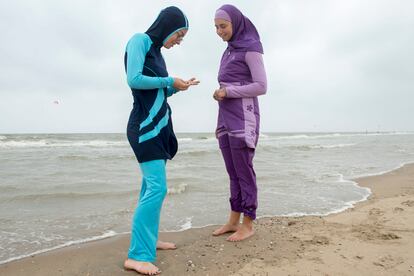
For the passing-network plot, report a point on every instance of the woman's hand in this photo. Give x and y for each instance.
(180, 84)
(220, 94)
(193, 81)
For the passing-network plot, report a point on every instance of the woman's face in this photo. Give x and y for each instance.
(224, 29)
(175, 39)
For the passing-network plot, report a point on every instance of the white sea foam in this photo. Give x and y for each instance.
(305, 146)
(23, 144)
(198, 151)
(333, 135)
(184, 139)
(97, 143)
(105, 235)
(43, 143)
(349, 204)
(179, 189)
(385, 171)
(346, 205)
(187, 224)
(332, 146)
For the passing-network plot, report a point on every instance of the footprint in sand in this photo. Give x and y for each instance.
(319, 240)
(409, 203)
(368, 233)
(389, 236)
(388, 261)
(398, 210)
(376, 212)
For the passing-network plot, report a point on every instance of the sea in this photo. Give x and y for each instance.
(58, 190)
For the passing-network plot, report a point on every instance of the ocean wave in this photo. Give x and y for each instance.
(206, 138)
(304, 147)
(37, 142)
(8, 188)
(188, 223)
(22, 144)
(75, 157)
(64, 196)
(197, 152)
(44, 143)
(105, 235)
(201, 139)
(346, 205)
(298, 136)
(97, 143)
(334, 177)
(185, 139)
(332, 146)
(385, 171)
(179, 189)
(330, 135)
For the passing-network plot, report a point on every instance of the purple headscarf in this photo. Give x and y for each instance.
(245, 37)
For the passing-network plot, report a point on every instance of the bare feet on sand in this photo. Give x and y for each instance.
(226, 228)
(242, 233)
(166, 245)
(145, 268)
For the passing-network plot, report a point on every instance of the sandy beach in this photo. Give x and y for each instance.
(376, 237)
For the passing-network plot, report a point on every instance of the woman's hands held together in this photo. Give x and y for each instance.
(220, 94)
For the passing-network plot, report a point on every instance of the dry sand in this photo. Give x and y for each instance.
(374, 238)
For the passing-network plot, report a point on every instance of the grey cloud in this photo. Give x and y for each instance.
(331, 65)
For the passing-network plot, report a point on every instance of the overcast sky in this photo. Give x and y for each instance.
(331, 65)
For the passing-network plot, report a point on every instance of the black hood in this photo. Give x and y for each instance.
(169, 21)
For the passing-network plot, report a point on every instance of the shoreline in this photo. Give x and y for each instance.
(290, 250)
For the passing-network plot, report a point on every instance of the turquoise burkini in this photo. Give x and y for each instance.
(150, 131)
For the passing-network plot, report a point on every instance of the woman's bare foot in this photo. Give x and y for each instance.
(245, 230)
(166, 245)
(145, 268)
(226, 228)
(242, 233)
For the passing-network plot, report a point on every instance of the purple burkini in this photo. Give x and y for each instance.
(243, 75)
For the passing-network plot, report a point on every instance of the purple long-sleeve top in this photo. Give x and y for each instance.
(244, 77)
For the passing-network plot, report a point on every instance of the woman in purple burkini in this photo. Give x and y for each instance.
(242, 78)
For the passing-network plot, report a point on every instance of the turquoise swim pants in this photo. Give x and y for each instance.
(144, 234)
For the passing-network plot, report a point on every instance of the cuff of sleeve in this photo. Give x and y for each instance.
(172, 90)
(170, 81)
(229, 91)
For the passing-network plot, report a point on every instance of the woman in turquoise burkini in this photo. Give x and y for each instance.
(150, 131)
